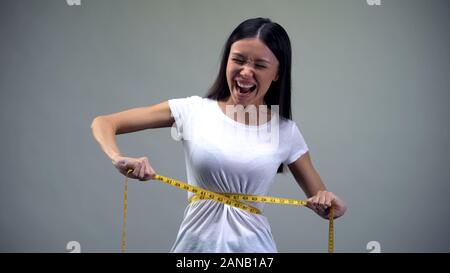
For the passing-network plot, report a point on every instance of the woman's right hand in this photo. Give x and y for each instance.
(141, 167)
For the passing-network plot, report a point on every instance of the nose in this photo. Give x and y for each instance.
(247, 71)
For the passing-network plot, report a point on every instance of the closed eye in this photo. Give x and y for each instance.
(238, 61)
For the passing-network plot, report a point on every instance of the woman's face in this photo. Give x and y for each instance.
(251, 67)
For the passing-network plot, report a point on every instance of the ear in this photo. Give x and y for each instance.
(276, 77)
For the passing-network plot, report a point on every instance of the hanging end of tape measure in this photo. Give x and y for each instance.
(331, 230)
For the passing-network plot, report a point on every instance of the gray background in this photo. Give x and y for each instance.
(370, 94)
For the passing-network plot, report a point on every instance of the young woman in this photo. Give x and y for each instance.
(236, 139)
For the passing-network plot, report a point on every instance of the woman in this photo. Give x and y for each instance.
(236, 139)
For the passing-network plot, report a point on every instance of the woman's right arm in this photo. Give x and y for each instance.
(106, 127)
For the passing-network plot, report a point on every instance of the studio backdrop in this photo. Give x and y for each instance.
(370, 95)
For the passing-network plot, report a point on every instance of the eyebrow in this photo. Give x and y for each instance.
(243, 56)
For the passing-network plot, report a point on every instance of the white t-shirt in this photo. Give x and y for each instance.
(223, 155)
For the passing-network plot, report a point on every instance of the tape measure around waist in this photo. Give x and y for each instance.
(231, 199)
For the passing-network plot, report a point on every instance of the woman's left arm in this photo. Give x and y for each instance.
(319, 199)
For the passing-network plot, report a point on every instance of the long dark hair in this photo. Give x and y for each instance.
(277, 40)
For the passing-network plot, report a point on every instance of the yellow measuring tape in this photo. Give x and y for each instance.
(230, 199)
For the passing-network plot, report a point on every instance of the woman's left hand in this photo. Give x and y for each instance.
(323, 200)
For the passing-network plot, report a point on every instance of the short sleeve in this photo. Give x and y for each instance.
(182, 110)
(298, 145)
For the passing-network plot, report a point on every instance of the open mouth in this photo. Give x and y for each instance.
(244, 88)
